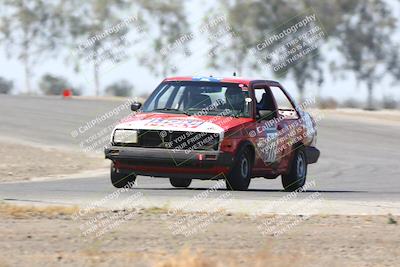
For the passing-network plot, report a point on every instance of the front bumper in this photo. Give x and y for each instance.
(312, 154)
(160, 157)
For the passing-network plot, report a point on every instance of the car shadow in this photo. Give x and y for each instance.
(249, 190)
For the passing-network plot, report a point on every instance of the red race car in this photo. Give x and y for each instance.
(215, 128)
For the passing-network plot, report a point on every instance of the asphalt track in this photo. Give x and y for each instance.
(359, 162)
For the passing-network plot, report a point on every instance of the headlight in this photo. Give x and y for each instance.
(125, 136)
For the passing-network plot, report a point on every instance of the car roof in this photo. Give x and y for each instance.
(232, 79)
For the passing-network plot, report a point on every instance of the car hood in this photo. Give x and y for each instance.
(181, 122)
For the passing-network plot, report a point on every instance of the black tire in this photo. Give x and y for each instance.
(239, 177)
(179, 182)
(296, 178)
(120, 178)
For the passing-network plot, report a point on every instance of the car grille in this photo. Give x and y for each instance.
(178, 140)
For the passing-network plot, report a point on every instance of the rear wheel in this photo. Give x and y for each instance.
(179, 182)
(240, 174)
(296, 178)
(120, 178)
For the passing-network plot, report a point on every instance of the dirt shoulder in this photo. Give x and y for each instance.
(378, 117)
(24, 162)
(51, 237)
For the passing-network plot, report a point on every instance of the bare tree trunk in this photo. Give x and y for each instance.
(165, 66)
(318, 96)
(320, 82)
(370, 105)
(27, 74)
(96, 66)
(301, 94)
(238, 69)
(25, 59)
(96, 79)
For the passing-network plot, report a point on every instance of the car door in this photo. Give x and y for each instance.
(289, 126)
(266, 131)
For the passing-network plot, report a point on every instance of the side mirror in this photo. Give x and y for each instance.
(136, 106)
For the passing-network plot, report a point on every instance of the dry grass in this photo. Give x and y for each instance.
(186, 259)
(155, 210)
(190, 258)
(30, 163)
(391, 219)
(23, 212)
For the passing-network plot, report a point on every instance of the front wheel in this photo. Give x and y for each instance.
(296, 178)
(121, 179)
(239, 177)
(180, 183)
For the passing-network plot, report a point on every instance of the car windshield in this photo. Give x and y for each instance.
(199, 98)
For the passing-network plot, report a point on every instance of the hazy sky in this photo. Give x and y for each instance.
(144, 81)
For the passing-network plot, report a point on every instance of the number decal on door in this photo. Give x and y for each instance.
(268, 145)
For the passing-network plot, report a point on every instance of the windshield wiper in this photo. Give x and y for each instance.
(234, 115)
(173, 109)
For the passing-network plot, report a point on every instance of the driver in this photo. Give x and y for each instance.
(235, 99)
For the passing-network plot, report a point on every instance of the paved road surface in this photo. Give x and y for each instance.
(360, 160)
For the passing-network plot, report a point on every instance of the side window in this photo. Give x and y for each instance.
(285, 107)
(178, 98)
(265, 105)
(152, 105)
(259, 93)
(163, 97)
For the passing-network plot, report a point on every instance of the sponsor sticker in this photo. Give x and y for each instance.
(175, 123)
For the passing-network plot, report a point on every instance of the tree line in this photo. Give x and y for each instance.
(360, 37)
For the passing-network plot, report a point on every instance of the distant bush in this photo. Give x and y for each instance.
(6, 86)
(144, 96)
(53, 85)
(121, 88)
(389, 103)
(351, 103)
(327, 103)
(76, 91)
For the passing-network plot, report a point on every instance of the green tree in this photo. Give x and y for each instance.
(28, 28)
(6, 86)
(394, 64)
(99, 33)
(253, 21)
(367, 44)
(121, 88)
(360, 31)
(53, 85)
(167, 20)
